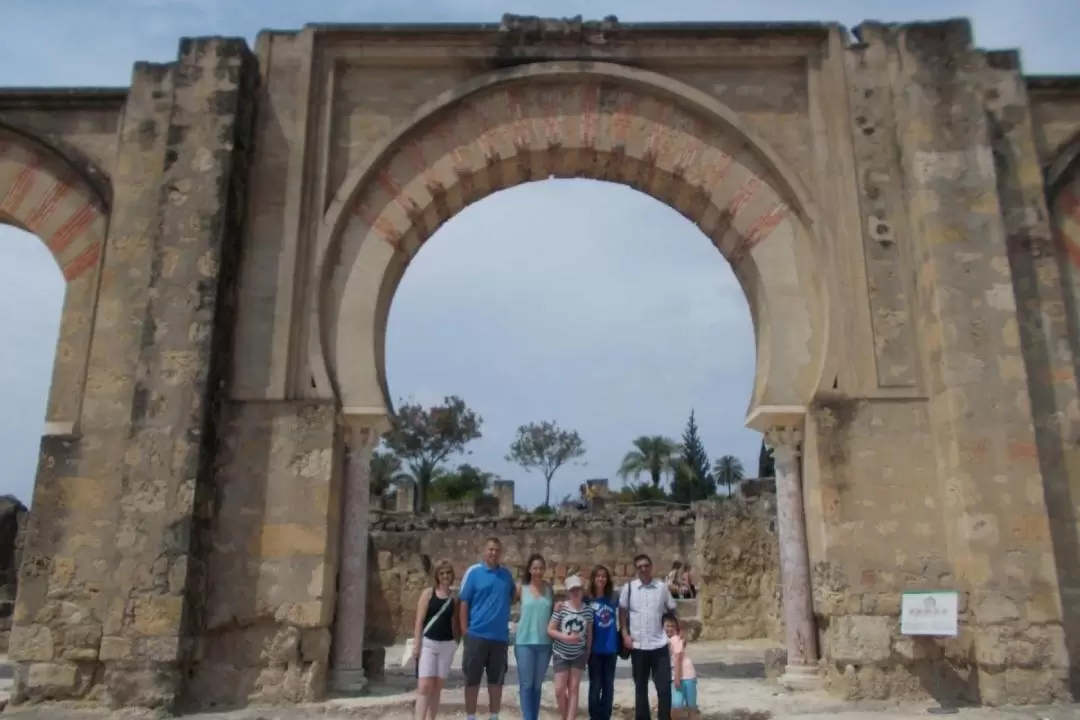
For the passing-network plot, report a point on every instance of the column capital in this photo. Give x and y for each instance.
(785, 442)
(364, 428)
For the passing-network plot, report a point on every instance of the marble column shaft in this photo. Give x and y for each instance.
(347, 674)
(801, 638)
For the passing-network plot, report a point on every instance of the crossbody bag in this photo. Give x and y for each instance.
(410, 644)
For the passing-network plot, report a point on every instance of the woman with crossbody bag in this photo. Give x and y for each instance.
(435, 639)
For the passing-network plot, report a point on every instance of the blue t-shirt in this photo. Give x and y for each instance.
(605, 631)
(489, 593)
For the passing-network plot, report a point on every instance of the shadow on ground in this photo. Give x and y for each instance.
(402, 680)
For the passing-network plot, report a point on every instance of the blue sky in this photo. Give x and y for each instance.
(581, 302)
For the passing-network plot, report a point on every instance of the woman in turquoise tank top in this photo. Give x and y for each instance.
(532, 646)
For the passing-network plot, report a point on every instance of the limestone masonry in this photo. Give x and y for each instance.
(901, 208)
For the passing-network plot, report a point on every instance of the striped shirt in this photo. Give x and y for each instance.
(570, 620)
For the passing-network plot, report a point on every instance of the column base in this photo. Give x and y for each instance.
(348, 681)
(801, 678)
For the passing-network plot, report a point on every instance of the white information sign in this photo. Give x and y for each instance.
(929, 613)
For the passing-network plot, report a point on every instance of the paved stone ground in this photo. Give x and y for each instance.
(731, 687)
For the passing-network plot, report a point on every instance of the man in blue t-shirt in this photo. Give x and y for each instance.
(487, 591)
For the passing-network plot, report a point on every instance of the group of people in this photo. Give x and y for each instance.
(587, 632)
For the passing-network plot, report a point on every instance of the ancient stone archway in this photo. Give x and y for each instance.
(44, 193)
(203, 530)
(597, 121)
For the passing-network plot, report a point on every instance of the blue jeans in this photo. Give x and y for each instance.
(532, 665)
(686, 696)
(601, 685)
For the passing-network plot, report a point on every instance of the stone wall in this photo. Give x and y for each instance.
(269, 600)
(737, 569)
(112, 582)
(731, 544)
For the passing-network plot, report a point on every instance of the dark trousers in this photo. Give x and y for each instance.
(657, 665)
(601, 685)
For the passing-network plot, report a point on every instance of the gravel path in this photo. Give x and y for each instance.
(731, 687)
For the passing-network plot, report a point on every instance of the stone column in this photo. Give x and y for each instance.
(347, 673)
(504, 491)
(405, 497)
(801, 672)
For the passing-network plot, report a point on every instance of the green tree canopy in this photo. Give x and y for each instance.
(468, 482)
(728, 471)
(693, 480)
(766, 464)
(653, 454)
(545, 447)
(386, 471)
(425, 437)
(641, 492)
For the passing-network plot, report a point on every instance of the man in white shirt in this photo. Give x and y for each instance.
(642, 605)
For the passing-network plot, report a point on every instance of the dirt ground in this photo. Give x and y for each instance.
(731, 686)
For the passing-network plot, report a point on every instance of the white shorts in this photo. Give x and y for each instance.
(435, 658)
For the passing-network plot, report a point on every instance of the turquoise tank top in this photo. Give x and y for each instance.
(535, 616)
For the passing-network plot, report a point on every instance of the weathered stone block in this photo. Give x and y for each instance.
(283, 648)
(157, 616)
(31, 643)
(315, 645)
(859, 639)
(142, 685)
(115, 648)
(52, 679)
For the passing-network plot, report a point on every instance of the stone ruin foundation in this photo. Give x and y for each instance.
(900, 207)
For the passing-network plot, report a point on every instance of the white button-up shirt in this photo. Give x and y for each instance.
(646, 605)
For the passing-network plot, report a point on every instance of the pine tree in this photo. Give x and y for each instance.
(693, 480)
(766, 466)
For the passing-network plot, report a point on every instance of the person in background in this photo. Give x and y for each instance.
(687, 589)
(683, 677)
(571, 628)
(487, 591)
(605, 644)
(435, 638)
(643, 603)
(532, 647)
(673, 577)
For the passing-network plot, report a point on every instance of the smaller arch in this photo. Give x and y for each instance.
(95, 180)
(45, 193)
(563, 119)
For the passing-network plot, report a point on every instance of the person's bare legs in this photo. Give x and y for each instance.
(494, 698)
(472, 695)
(573, 694)
(434, 699)
(423, 697)
(562, 697)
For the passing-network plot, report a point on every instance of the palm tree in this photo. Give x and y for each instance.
(728, 471)
(385, 472)
(653, 454)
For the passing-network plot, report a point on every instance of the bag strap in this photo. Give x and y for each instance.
(439, 614)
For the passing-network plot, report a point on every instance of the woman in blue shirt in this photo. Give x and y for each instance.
(605, 644)
(532, 645)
